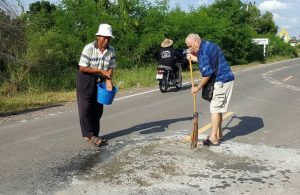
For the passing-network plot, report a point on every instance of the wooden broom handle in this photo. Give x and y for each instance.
(192, 79)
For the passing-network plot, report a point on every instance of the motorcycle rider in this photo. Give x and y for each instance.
(168, 56)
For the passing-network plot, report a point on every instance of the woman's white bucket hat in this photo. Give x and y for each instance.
(105, 30)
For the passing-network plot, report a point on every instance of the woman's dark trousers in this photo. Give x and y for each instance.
(90, 111)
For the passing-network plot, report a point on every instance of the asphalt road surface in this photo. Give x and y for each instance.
(42, 152)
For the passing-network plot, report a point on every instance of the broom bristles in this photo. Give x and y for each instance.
(194, 136)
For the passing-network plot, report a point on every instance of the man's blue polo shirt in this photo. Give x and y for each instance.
(208, 56)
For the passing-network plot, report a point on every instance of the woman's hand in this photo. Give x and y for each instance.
(106, 74)
(109, 85)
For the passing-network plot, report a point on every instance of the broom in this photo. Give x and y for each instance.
(194, 137)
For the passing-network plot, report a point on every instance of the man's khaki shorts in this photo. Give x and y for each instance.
(221, 97)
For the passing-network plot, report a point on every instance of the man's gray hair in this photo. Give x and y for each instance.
(193, 37)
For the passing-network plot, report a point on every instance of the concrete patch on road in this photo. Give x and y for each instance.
(164, 165)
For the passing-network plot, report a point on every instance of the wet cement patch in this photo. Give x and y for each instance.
(164, 165)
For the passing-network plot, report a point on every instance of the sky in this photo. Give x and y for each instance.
(285, 12)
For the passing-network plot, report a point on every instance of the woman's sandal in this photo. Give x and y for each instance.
(207, 142)
(220, 140)
(96, 141)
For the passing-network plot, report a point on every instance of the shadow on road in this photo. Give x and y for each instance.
(147, 128)
(174, 89)
(6, 114)
(246, 126)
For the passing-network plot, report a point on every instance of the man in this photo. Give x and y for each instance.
(210, 56)
(168, 55)
(96, 65)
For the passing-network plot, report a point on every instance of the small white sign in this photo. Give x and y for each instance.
(261, 41)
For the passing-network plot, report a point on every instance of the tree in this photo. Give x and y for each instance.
(12, 47)
(266, 25)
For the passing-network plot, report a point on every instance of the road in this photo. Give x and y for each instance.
(147, 152)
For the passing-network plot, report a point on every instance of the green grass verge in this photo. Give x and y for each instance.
(23, 101)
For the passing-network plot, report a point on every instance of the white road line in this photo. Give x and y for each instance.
(145, 92)
(287, 78)
(268, 77)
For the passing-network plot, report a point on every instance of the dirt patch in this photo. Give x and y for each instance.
(165, 165)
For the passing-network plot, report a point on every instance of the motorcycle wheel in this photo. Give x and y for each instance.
(179, 83)
(163, 86)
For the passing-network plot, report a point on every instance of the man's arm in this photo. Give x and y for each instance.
(203, 81)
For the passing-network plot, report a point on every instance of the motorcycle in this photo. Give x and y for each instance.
(168, 78)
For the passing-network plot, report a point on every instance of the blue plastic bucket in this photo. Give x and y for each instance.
(105, 96)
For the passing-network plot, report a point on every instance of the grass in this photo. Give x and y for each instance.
(23, 101)
(136, 77)
(125, 79)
